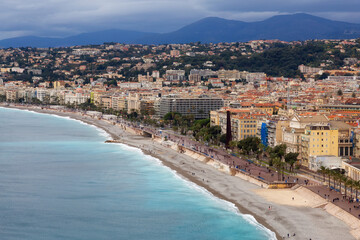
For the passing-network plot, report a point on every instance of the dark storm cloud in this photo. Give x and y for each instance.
(285, 5)
(67, 17)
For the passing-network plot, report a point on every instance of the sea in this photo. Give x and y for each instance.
(59, 180)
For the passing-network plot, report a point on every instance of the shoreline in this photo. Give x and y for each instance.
(279, 218)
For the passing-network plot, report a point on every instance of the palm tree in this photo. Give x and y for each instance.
(260, 150)
(346, 183)
(278, 165)
(233, 144)
(356, 187)
(322, 170)
(340, 178)
(328, 172)
(351, 184)
(333, 174)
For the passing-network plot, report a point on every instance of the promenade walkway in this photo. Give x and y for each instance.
(346, 203)
(244, 165)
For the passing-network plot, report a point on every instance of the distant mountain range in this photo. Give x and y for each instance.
(283, 27)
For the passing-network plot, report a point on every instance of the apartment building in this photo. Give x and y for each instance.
(41, 94)
(95, 96)
(352, 170)
(11, 95)
(199, 107)
(243, 123)
(243, 127)
(75, 98)
(274, 131)
(318, 140)
(346, 138)
(340, 108)
(119, 103)
(175, 53)
(106, 101)
(231, 75)
(255, 76)
(258, 107)
(292, 134)
(175, 75)
(308, 70)
(140, 101)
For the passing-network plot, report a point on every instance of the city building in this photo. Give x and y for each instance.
(199, 107)
(318, 140)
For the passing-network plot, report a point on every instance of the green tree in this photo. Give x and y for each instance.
(357, 187)
(233, 144)
(261, 149)
(198, 125)
(291, 159)
(339, 92)
(278, 164)
(170, 116)
(334, 176)
(277, 151)
(249, 145)
(339, 178)
(351, 185)
(328, 173)
(346, 184)
(223, 138)
(322, 76)
(322, 170)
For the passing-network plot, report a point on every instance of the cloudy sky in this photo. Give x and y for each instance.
(69, 17)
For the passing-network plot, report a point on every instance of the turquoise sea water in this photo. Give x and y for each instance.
(59, 180)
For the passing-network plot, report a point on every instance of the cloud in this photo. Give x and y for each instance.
(283, 5)
(68, 17)
(351, 16)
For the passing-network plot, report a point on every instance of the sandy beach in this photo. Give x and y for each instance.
(284, 212)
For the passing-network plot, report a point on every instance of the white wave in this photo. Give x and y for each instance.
(129, 148)
(17, 109)
(249, 218)
(140, 151)
(229, 206)
(157, 161)
(101, 131)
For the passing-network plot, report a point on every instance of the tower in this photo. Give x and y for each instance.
(228, 128)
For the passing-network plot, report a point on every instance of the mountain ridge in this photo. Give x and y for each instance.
(299, 26)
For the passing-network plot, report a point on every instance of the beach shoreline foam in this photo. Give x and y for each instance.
(281, 219)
